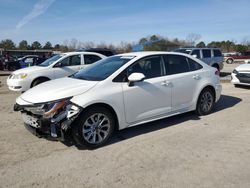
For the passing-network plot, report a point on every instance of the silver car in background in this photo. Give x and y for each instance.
(210, 56)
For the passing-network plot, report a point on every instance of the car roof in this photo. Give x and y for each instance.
(77, 53)
(193, 48)
(147, 53)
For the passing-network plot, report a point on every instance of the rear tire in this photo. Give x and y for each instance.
(94, 127)
(205, 102)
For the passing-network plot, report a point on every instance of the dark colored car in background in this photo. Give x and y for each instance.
(26, 61)
(103, 51)
(1, 63)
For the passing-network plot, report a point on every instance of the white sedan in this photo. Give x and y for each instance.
(241, 75)
(58, 66)
(119, 92)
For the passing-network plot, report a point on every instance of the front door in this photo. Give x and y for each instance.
(68, 66)
(149, 98)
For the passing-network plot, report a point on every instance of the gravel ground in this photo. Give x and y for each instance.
(182, 151)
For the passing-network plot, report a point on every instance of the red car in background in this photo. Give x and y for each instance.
(231, 57)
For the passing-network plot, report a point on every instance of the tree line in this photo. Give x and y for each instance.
(150, 43)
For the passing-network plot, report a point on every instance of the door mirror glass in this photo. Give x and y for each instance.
(135, 77)
(60, 64)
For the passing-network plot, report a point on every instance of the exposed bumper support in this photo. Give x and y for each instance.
(51, 128)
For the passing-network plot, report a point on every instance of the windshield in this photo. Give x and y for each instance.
(102, 69)
(51, 60)
(186, 51)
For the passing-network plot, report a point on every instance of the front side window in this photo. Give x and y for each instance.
(102, 69)
(176, 64)
(196, 53)
(51, 60)
(71, 60)
(151, 67)
(206, 53)
(28, 60)
(89, 59)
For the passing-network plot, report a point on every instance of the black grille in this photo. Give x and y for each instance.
(244, 77)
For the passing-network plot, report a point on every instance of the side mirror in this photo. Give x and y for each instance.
(135, 77)
(59, 65)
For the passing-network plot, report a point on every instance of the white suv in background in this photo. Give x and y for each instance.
(118, 92)
(58, 66)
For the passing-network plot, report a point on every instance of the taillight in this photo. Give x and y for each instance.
(217, 72)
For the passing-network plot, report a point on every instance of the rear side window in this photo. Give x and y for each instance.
(206, 53)
(89, 59)
(193, 65)
(217, 53)
(197, 53)
(176, 64)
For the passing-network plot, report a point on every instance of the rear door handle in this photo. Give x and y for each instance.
(196, 77)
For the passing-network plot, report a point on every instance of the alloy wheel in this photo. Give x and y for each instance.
(206, 101)
(96, 128)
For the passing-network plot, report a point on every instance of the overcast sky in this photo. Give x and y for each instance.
(112, 21)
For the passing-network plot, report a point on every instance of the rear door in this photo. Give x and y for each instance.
(184, 77)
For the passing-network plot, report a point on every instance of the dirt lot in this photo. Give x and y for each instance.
(182, 151)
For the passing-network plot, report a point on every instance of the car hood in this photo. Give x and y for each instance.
(244, 67)
(56, 89)
(29, 69)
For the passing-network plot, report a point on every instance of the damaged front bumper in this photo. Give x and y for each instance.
(53, 126)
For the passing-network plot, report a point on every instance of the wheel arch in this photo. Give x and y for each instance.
(209, 86)
(108, 107)
(37, 78)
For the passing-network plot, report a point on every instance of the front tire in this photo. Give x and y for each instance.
(94, 128)
(205, 102)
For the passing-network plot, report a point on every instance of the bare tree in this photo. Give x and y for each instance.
(193, 38)
(246, 41)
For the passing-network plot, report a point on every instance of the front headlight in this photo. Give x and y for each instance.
(235, 71)
(52, 108)
(20, 76)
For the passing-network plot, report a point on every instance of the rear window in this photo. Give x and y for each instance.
(217, 53)
(206, 53)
